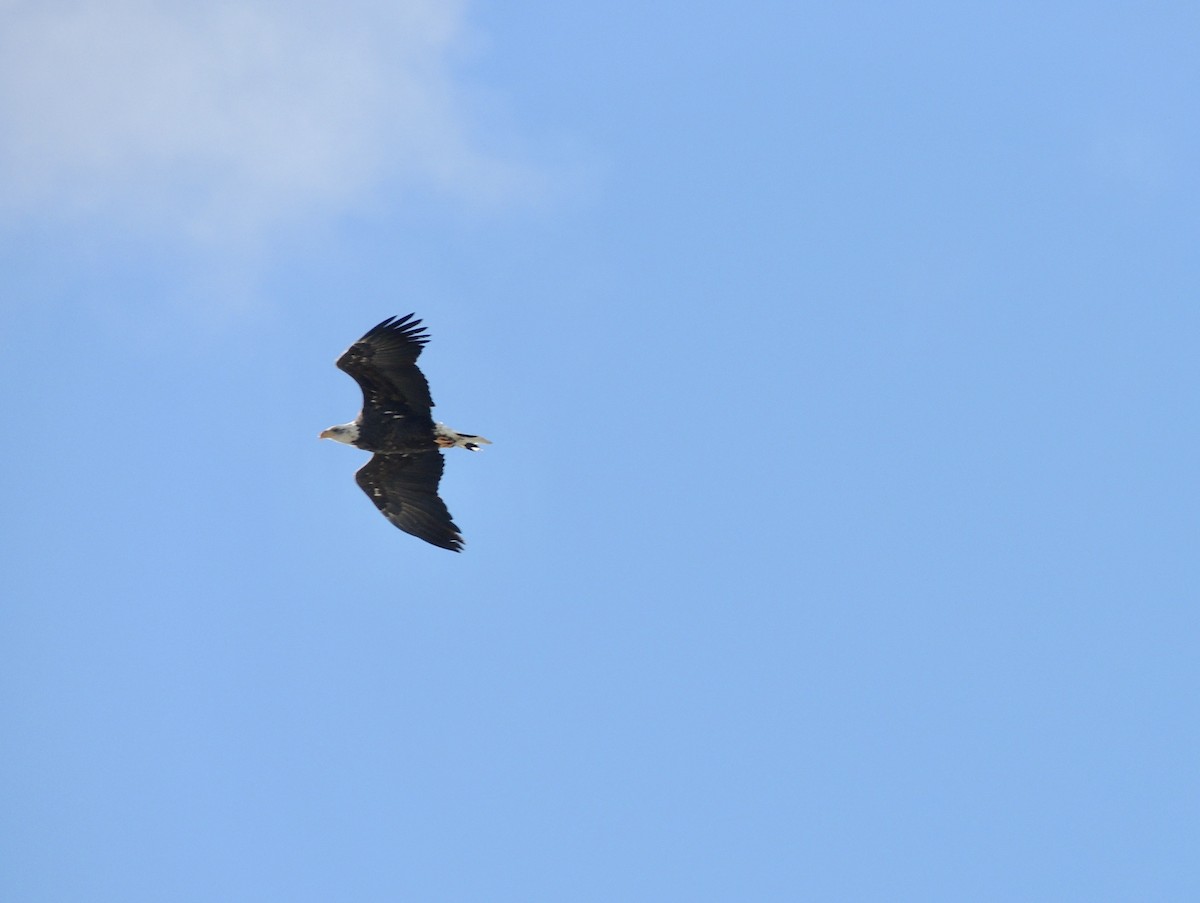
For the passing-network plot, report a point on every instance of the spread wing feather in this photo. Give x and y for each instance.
(384, 363)
(404, 488)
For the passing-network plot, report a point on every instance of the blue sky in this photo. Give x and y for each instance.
(838, 541)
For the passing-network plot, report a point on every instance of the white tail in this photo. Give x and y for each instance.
(448, 438)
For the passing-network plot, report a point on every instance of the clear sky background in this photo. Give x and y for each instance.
(838, 541)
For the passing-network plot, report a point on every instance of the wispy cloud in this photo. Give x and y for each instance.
(230, 118)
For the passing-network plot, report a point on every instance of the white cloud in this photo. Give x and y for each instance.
(230, 118)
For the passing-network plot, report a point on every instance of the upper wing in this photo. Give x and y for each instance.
(404, 488)
(384, 363)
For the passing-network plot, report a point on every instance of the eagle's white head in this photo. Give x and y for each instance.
(345, 432)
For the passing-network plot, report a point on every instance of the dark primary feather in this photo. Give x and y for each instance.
(404, 488)
(384, 363)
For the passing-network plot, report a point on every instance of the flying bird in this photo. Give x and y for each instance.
(395, 423)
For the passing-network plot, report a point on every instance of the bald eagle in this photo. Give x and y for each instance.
(402, 476)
